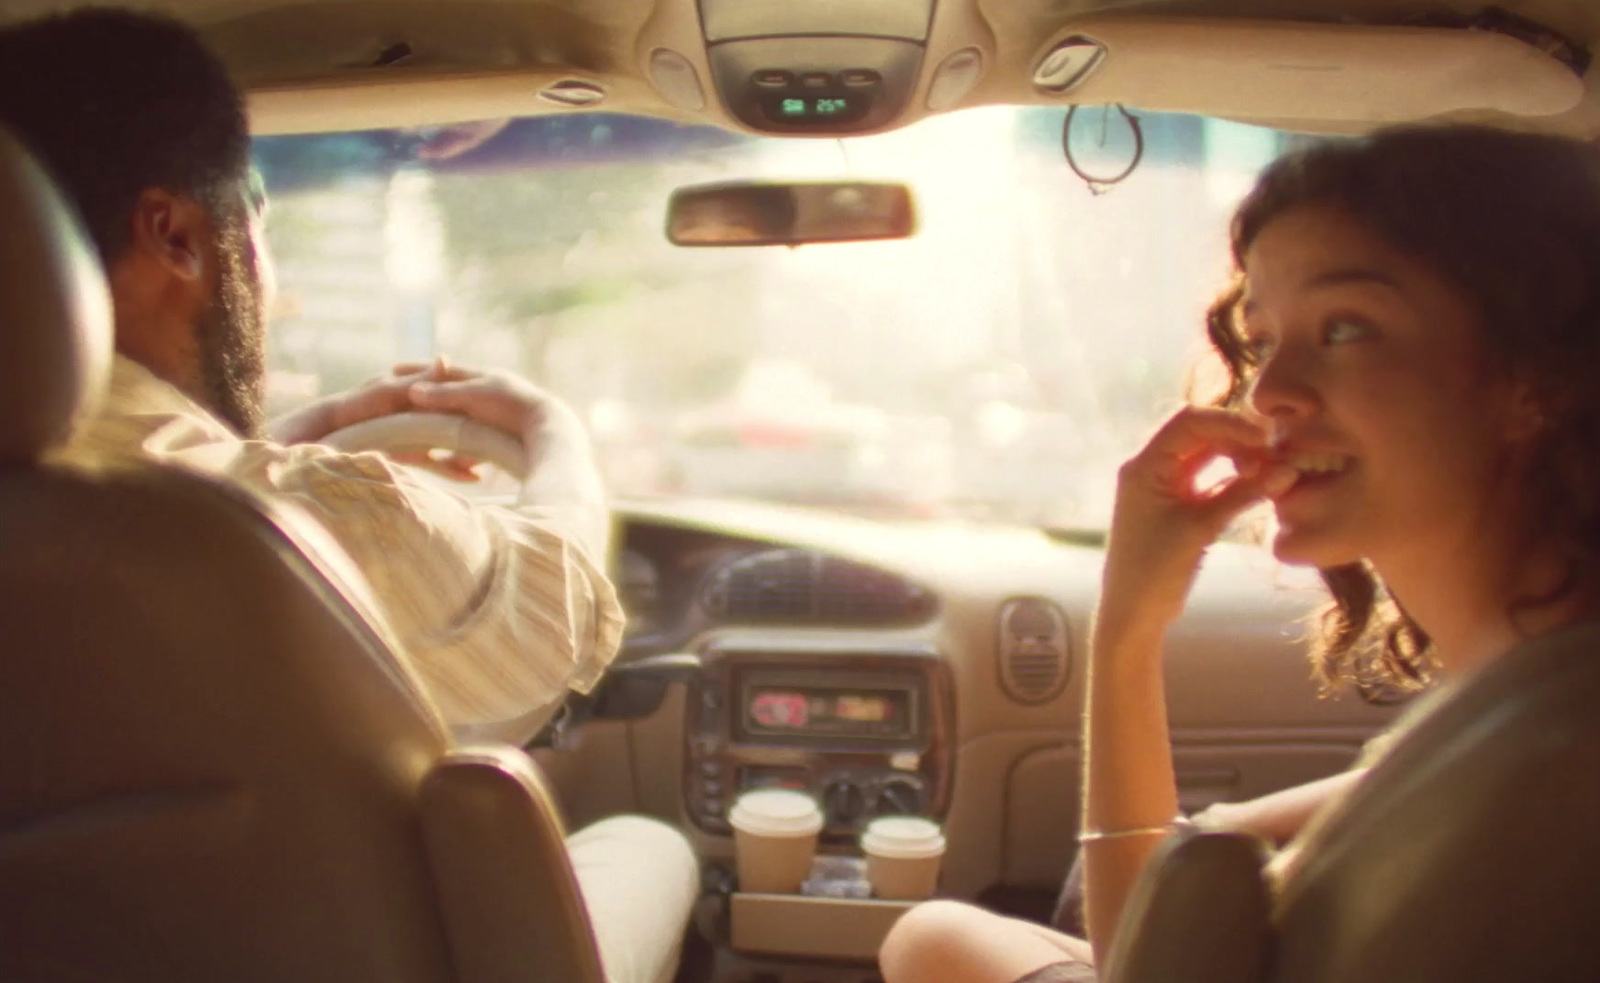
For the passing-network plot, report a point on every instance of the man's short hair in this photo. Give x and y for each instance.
(115, 102)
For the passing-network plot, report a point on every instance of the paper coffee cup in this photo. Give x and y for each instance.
(774, 839)
(903, 857)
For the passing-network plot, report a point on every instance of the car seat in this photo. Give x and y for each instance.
(213, 765)
(1469, 852)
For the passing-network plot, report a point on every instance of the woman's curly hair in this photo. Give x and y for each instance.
(1512, 221)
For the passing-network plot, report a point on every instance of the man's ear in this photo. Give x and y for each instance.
(1526, 414)
(170, 230)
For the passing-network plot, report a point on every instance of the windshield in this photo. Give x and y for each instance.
(1000, 364)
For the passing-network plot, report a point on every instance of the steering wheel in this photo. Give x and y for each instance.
(430, 431)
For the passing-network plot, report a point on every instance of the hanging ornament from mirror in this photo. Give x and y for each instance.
(1102, 145)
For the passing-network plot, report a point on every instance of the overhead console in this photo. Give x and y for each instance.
(823, 68)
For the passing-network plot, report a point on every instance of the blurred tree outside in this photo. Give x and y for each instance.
(574, 263)
(557, 262)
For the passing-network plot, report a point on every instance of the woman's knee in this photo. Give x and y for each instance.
(929, 939)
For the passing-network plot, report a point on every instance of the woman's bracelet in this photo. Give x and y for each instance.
(1096, 835)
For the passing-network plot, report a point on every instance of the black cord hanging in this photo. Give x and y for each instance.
(1100, 185)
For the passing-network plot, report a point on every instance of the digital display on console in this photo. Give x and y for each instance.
(837, 107)
(807, 710)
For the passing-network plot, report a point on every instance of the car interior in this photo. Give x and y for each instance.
(215, 762)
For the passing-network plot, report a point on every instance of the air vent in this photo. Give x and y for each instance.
(789, 586)
(1035, 649)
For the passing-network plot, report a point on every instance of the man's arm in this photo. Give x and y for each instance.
(563, 481)
(502, 609)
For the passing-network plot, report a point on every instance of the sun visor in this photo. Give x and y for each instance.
(1326, 72)
(389, 98)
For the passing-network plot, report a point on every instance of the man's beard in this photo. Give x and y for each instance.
(232, 338)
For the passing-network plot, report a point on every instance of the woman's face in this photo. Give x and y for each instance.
(1373, 372)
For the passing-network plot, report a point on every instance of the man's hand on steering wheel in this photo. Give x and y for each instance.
(560, 462)
(561, 465)
(385, 395)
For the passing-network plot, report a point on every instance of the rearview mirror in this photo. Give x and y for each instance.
(749, 214)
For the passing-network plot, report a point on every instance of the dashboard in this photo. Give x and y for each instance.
(676, 582)
(862, 722)
(865, 730)
(928, 668)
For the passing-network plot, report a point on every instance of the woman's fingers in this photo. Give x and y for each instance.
(1195, 430)
(1193, 439)
(1163, 523)
(1236, 494)
(1247, 465)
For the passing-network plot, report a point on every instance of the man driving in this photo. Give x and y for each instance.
(501, 610)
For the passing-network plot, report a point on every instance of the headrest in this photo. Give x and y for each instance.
(55, 312)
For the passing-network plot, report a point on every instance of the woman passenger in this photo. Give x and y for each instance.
(1413, 353)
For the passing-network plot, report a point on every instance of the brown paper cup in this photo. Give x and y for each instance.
(903, 857)
(901, 879)
(772, 864)
(774, 840)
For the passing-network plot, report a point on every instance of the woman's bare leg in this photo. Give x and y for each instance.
(953, 942)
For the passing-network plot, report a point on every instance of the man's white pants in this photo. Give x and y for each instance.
(639, 879)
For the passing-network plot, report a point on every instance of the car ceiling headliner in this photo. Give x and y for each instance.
(306, 44)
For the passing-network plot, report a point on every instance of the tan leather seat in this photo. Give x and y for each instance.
(212, 766)
(1470, 852)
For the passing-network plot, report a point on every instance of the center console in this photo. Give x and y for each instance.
(866, 731)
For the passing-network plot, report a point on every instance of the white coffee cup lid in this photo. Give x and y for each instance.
(903, 838)
(776, 812)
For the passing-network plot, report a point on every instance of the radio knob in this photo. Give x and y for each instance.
(844, 802)
(898, 797)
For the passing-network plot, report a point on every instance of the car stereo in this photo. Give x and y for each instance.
(790, 708)
(867, 732)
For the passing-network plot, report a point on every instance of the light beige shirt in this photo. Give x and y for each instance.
(499, 608)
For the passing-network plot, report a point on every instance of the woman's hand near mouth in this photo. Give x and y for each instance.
(1163, 523)
(1162, 526)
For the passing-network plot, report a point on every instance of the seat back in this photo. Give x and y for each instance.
(1469, 852)
(209, 764)
(213, 765)
(1201, 914)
